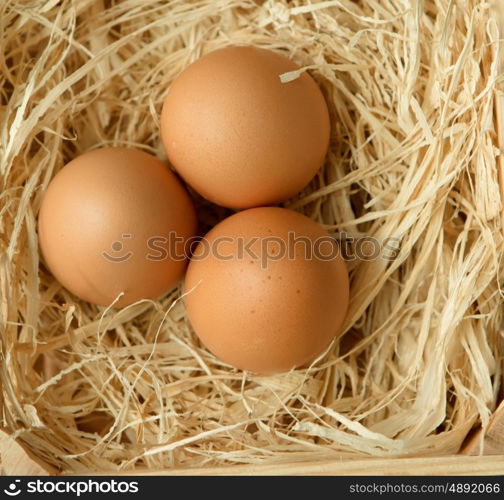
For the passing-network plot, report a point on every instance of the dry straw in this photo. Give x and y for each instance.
(411, 88)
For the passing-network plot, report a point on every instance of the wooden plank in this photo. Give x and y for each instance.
(498, 15)
(435, 466)
(490, 442)
(457, 465)
(15, 460)
(499, 112)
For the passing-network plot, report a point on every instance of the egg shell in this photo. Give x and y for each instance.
(255, 297)
(238, 135)
(98, 219)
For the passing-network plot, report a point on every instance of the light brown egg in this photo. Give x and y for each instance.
(267, 290)
(108, 225)
(237, 134)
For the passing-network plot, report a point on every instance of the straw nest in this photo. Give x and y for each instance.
(411, 88)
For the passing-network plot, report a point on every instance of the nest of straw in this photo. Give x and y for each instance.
(411, 88)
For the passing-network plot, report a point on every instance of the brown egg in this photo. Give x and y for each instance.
(267, 290)
(109, 224)
(237, 134)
